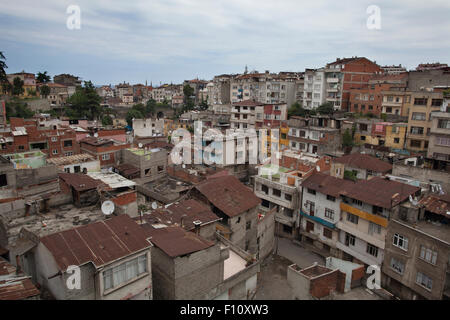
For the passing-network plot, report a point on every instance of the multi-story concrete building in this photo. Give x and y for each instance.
(366, 208)
(419, 125)
(314, 135)
(148, 127)
(393, 69)
(417, 253)
(314, 88)
(439, 141)
(320, 211)
(378, 133)
(220, 93)
(152, 164)
(107, 151)
(236, 204)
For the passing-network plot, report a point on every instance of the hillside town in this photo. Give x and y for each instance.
(251, 186)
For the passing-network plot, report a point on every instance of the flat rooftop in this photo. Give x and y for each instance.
(234, 264)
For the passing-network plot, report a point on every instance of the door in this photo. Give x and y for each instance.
(309, 226)
(312, 208)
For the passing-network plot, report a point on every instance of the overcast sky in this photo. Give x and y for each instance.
(173, 40)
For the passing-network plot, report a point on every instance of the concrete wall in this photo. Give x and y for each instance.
(266, 235)
(353, 272)
(151, 160)
(299, 283)
(422, 174)
(242, 237)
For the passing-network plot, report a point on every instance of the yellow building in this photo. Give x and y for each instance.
(29, 82)
(386, 134)
(284, 131)
(419, 123)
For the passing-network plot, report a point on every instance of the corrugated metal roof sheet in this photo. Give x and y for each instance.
(79, 182)
(175, 241)
(364, 161)
(228, 194)
(15, 287)
(100, 243)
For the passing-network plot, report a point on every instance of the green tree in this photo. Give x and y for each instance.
(133, 114)
(6, 86)
(150, 107)
(17, 88)
(107, 120)
(347, 140)
(326, 108)
(188, 92)
(43, 77)
(203, 105)
(44, 91)
(17, 108)
(85, 103)
(296, 109)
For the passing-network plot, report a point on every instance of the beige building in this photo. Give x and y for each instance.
(439, 143)
(419, 124)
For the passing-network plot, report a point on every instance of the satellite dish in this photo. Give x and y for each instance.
(96, 134)
(140, 145)
(107, 207)
(184, 166)
(154, 205)
(318, 168)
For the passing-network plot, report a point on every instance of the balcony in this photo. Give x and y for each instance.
(317, 219)
(333, 80)
(364, 215)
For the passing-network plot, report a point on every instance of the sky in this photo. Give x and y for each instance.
(168, 41)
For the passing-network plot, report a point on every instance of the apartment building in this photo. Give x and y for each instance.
(439, 141)
(236, 204)
(366, 209)
(107, 151)
(347, 74)
(123, 89)
(379, 133)
(220, 91)
(417, 253)
(315, 135)
(314, 88)
(419, 125)
(320, 211)
(393, 69)
(247, 114)
(28, 134)
(148, 127)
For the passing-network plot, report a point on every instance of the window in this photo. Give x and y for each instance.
(396, 140)
(363, 138)
(420, 116)
(443, 141)
(415, 143)
(288, 197)
(70, 153)
(400, 241)
(363, 127)
(352, 218)
(331, 198)
(329, 213)
(428, 255)
(443, 124)
(424, 280)
(160, 169)
(420, 101)
(105, 156)
(124, 272)
(311, 191)
(67, 143)
(416, 130)
(372, 250)
(276, 192)
(436, 102)
(327, 233)
(376, 209)
(397, 266)
(357, 202)
(374, 228)
(54, 139)
(287, 229)
(54, 151)
(3, 180)
(349, 239)
(264, 189)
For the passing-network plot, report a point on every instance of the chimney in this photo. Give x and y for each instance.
(197, 224)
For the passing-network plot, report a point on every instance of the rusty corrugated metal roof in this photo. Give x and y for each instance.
(15, 287)
(439, 204)
(79, 181)
(176, 241)
(228, 194)
(364, 161)
(100, 243)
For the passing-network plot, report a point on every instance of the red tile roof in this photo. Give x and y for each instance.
(364, 161)
(228, 194)
(100, 243)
